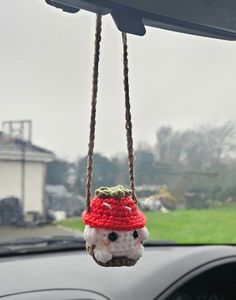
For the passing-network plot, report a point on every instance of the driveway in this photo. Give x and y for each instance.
(11, 233)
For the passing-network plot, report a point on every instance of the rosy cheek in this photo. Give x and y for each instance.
(138, 242)
(106, 243)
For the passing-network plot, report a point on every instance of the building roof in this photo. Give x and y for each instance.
(13, 148)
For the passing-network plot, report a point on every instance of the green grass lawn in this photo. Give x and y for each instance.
(186, 226)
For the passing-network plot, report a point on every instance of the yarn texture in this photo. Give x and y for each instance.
(126, 245)
(113, 213)
(115, 227)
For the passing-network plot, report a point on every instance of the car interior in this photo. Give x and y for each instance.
(59, 268)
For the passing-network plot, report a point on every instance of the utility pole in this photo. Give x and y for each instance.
(21, 130)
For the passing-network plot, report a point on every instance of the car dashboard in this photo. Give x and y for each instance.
(165, 272)
(218, 283)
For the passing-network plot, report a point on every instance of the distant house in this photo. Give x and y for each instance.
(23, 173)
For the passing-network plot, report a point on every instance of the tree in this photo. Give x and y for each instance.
(201, 148)
(57, 172)
(104, 173)
(164, 137)
(198, 159)
(209, 145)
(145, 170)
(170, 147)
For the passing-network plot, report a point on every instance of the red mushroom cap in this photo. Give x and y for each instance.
(114, 213)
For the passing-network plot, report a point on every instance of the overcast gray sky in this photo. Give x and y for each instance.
(45, 75)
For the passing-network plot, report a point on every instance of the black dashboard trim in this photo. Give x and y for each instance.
(192, 274)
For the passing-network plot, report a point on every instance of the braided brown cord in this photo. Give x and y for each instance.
(128, 124)
(93, 112)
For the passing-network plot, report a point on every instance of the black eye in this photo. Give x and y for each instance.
(113, 236)
(135, 234)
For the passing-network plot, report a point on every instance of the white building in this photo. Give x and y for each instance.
(23, 172)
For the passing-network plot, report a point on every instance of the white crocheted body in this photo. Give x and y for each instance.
(115, 243)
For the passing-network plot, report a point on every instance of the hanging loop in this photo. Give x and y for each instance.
(128, 120)
(89, 176)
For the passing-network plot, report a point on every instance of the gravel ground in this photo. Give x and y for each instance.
(11, 233)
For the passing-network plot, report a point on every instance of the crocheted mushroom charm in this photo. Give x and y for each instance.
(115, 228)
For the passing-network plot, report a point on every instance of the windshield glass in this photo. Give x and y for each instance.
(182, 90)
